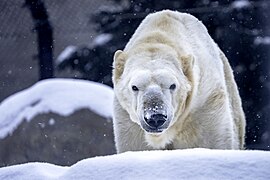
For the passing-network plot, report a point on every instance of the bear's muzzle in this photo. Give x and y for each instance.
(155, 118)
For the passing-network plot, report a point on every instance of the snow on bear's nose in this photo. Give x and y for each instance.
(155, 116)
(156, 120)
(154, 109)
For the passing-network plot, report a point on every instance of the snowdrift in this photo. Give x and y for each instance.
(177, 164)
(60, 96)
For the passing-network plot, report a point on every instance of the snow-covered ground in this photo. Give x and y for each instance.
(61, 96)
(177, 164)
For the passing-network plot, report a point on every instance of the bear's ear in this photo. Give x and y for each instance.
(119, 60)
(187, 64)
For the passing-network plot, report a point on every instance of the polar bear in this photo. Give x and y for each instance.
(174, 89)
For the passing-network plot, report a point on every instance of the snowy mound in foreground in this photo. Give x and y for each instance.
(177, 164)
(61, 96)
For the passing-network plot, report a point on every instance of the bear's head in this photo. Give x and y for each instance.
(154, 90)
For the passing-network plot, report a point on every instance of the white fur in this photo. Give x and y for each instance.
(171, 47)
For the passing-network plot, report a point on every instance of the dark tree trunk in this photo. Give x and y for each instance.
(44, 37)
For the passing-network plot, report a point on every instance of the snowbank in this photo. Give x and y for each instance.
(61, 96)
(177, 164)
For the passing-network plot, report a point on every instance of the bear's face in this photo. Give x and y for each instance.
(154, 95)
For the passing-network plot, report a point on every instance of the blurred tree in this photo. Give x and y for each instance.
(235, 25)
(44, 36)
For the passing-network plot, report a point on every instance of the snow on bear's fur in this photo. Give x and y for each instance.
(174, 89)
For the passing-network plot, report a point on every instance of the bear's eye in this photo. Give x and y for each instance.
(134, 88)
(172, 87)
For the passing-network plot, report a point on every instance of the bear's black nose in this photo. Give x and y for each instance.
(156, 120)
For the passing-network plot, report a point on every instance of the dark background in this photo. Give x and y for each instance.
(96, 29)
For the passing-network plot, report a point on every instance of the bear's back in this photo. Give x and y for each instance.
(187, 34)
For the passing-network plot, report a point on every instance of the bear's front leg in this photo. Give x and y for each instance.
(127, 134)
